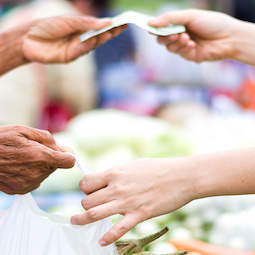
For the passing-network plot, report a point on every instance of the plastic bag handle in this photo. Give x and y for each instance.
(106, 223)
(82, 166)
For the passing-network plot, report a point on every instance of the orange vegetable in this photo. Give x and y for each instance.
(193, 245)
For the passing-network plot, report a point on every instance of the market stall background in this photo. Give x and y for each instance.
(159, 105)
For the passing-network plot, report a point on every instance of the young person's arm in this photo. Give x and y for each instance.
(146, 188)
(210, 36)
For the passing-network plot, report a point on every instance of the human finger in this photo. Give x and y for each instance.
(92, 182)
(183, 17)
(28, 189)
(188, 51)
(103, 38)
(41, 136)
(63, 159)
(95, 23)
(179, 44)
(119, 229)
(65, 149)
(94, 214)
(108, 35)
(18, 185)
(86, 46)
(168, 39)
(70, 24)
(6, 188)
(96, 198)
(118, 30)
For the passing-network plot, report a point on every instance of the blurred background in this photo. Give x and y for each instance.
(131, 98)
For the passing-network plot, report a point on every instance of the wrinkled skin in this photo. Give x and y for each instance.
(56, 39)
(27, 157)
(51, 40)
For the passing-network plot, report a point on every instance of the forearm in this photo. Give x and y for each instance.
(223, 173)
(11, 48)
(244, 43)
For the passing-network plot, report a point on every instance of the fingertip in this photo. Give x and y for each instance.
(155, 22)
(107, 239)
(73, 221)
(71, 157)
(102, 242)
(82, 184)
(65, 160)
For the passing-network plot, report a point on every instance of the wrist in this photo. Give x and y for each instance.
(11, 48)
(183, 172)
(243, 42)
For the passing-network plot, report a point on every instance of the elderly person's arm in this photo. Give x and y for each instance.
(50, 40)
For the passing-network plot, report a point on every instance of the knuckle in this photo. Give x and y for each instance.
(112, 173)
(115, 171)
(47, 134)
(119, 188)
(92, 215)
(17, 127)
(143, 213)
(131, 201)
(119, 231)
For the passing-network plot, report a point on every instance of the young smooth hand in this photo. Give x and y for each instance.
(27, 157)
(139, 190)
(209, 35)
(146, 188)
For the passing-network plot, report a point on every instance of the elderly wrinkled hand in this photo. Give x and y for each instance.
(56, 39)
(27, 157)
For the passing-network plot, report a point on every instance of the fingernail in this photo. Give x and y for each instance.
(82, 184)
(102, 243)
(73, 221)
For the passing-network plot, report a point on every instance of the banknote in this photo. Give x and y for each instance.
(140, 20)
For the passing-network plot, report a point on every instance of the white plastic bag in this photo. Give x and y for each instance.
(27, 230)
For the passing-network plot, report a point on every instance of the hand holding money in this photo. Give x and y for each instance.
(209, 36)
(141, 20)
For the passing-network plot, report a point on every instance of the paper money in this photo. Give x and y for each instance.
(139, 19)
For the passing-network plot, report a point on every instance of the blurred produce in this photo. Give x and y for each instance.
(179, 113)
(104, 138)
(203, 248)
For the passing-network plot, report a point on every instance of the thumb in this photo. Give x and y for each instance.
(184, 17)
(95, 23)
(64, 159)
